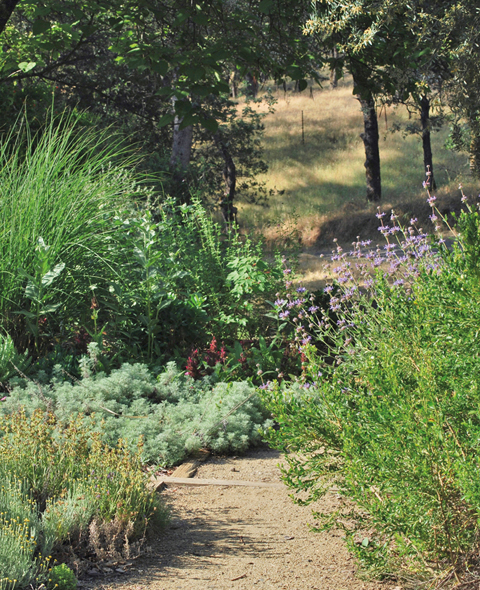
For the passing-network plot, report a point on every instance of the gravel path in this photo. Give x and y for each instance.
(241, 538)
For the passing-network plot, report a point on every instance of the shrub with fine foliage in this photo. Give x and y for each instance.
(390, 414)
(174, 414)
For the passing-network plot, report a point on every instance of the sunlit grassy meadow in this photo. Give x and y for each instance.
(324, 177)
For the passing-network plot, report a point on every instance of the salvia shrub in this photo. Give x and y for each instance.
(387, 411)
(174, 414)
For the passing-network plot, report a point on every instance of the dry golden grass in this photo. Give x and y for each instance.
(320, 185)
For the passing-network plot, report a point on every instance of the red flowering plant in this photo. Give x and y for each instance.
(246, 359)
(203, 363)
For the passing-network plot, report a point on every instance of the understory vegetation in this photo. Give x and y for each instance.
(136, 330)
(152, 157)
(150, 331)
(133, 332)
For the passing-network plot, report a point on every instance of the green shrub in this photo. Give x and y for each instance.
(183, 281)
(390, 413)
(9, 359)
(174, 414)
(85, 255)
(61, 577)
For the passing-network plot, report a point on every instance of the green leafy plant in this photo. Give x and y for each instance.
(37, 291)
(9, 359)
(61, 577)
(60, 192)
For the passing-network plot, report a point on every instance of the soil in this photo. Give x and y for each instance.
(241, 538)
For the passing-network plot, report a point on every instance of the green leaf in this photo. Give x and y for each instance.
(49, 308)
(166, 91)
(166, 120)
(365, 542)
(50, 276)
(161, 67)
(200, 19)
(40, 26)
(26, 66)
(32, 292)
(189, 119)
(181, 17)
(209, 124)
(265, 6)
(302, 84)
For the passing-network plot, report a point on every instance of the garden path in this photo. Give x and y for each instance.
(241, 538)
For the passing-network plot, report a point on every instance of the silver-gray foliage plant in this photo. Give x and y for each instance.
(174, 414)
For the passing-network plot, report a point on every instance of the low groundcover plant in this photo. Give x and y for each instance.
(174, 414)
(61, 484)
(387, 411)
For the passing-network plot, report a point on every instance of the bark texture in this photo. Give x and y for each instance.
(426, 141)
(233, 83)
(370, 139)
(333, 71)
(252, 85)
(474, 146)
(6, 9)
(182, 145)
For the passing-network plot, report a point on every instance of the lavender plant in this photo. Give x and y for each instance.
(387, 410)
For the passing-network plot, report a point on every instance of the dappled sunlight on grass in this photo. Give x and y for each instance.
(324, 176)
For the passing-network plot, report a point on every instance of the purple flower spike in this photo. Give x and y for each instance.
(431, 200)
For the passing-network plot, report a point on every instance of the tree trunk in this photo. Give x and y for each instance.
(426, 141)
(182, 143)
(229, 211)
(370, 141)
(474, 146)
(233, 83)
(252, 85)
(333, 71)
(6, 9)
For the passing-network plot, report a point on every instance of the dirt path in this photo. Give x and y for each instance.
(241, 538)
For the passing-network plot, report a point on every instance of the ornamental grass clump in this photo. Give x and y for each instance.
(387, 411)
(60, 192)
